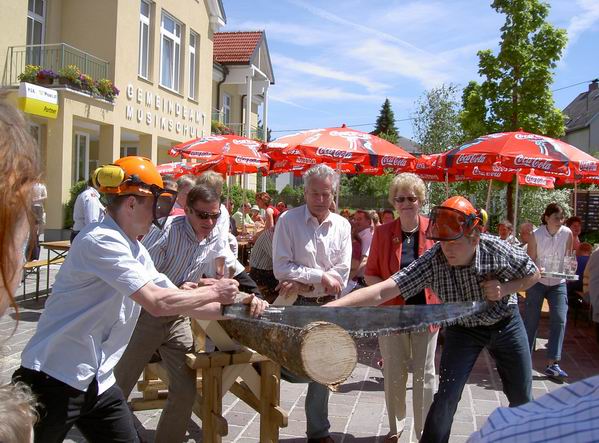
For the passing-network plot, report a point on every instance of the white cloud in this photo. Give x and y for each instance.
(584, 20)
(318, 70)
(302, 35)
(318, 92)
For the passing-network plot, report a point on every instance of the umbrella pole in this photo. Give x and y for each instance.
(446, 185)
(488, 203)
(338, 188)
(575, 195)
(516, 206)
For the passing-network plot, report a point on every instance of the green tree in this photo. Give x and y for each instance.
(515, 92)
(385, 123)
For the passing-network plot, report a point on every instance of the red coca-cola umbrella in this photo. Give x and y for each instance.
(341, 146)
(523, 151)
(227, 154)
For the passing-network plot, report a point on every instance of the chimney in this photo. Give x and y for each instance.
(594, 85)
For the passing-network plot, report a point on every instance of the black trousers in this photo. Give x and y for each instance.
(100, 418)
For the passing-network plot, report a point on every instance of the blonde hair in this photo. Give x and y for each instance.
(17, 409)
(212, 180)
(410, 182)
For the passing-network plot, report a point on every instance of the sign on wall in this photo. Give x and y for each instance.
(37, 100)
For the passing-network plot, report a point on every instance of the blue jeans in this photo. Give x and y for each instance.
(506, 342)
(557, 297)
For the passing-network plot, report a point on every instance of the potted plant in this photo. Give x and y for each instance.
(88, 84)
(45, 77)
(107, 89)
(29, 74)
(70, 75)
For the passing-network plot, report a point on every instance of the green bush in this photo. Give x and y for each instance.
(76, 189)
(293, 196)
(237, 194)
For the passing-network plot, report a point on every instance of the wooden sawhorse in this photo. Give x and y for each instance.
(231, 368)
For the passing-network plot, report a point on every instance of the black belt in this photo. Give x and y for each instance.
(320, 300)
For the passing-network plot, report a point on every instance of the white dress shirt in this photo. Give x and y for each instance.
(365, 240)
(88, 321)
(88, 209)
(304, 249)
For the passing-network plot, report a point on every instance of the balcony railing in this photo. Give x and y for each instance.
(54, 57)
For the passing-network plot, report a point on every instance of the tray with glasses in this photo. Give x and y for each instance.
(559, 267)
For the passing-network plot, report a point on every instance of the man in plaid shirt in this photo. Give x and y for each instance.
(466, 265)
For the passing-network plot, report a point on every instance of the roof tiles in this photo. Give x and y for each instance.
(235, 47)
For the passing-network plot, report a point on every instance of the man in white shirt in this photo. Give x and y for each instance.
(312, 246)
(96, 299)
(88, 208)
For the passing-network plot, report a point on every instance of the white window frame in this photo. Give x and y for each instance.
(78, 137)
(193, 64)
(144, 22)
(175, 38)
(227, 100)
(31, 15)
(127, 150)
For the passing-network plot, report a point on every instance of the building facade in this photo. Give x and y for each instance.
(158, 53)
(582, 120)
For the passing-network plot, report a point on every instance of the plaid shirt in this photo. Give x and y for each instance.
(494, 259)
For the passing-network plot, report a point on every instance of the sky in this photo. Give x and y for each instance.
(335, 62)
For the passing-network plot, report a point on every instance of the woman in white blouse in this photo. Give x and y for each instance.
(548, 246)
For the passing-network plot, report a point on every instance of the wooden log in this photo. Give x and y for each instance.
(320, 351)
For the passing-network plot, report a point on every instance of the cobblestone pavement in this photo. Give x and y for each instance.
(357, 410)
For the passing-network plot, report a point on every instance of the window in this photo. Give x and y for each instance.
(128, 150)
(144, 39)
(193, 41)
(36, 12)
(170, 49)
(226, 109)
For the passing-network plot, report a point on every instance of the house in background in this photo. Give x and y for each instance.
(242, 74)
(159, 53)
(582, 120)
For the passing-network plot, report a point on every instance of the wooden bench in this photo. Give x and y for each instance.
(33, 267)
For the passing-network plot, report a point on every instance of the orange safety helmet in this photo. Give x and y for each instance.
(454, 218)
(137, 176)
(129, 175)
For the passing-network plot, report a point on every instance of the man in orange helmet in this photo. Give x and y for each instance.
(466, 265)
(96, 300)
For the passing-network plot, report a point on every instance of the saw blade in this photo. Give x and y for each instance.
(363, 321)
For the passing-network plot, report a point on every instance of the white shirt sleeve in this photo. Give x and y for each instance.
(284, 267)
(93, 210)
(342, 264)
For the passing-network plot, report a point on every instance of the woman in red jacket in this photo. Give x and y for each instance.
(395, 245)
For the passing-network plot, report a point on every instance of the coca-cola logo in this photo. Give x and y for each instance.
(305, 161)
(277, 145)
(248, 143)
(477, 171)
(335, 153)
(532, 162)
(471, 159)
(588, 165)
(393, 161)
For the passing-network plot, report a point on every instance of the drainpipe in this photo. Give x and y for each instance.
(226, 73)
(242, 126)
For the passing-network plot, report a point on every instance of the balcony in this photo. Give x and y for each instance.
(54, 57)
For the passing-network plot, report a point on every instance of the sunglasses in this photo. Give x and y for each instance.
(203, 215)
(403, 199)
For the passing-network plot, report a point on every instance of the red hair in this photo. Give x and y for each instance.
(19, 169)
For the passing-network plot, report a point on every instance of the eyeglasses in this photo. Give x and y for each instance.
(203, 215)
(403, 199)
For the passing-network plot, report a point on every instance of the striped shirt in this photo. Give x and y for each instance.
(261, 256)
(178, 253)
(570, 413)
(493, 259)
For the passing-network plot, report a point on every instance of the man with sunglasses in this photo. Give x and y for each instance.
(185, 250)
(466, 265)
(96, 300)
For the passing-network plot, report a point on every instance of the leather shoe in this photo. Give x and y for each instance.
(327, 439)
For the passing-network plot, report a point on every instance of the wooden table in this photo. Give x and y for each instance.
(244, 249)
(61, 249)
